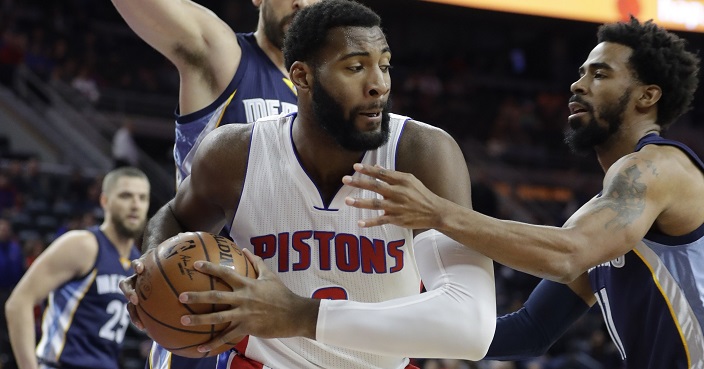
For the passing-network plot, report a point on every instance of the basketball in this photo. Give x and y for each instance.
(169, 271)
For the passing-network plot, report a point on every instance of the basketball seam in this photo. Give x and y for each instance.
(173, 327)
(168, 281)
(210, 277)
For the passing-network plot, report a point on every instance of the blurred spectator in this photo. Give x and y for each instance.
(90, 203)
(36, 183)
(14, 172)
(75, 187)
(32, 248)
(11, 257)
(124, 147)
(11, 270)
(38, 57)
(8, 194)
(71, 223)
(86, 84)
(13, 46)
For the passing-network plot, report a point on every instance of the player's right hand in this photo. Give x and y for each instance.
(128, 289)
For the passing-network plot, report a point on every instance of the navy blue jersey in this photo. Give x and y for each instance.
(652, 298)
(85, 319)
(258, 89)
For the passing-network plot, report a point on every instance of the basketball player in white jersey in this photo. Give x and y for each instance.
(330, 294)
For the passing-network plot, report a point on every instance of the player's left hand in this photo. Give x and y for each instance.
(262, 307)
(127, 286)
(406, 201)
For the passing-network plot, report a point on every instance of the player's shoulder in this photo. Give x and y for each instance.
(229, 136)
(657, 166)
(78, 243)
(435, 144)
(225, 147)
(658, 158)
(78, 236)
(421, 135)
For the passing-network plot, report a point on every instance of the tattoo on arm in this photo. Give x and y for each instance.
(626, 197)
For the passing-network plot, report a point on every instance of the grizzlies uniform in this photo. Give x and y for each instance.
(663, 277)
(257, 90)
(316, 248)
(85, 320)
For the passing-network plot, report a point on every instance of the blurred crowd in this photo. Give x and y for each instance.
(498, 84)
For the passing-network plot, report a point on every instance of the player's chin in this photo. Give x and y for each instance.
(135, 229)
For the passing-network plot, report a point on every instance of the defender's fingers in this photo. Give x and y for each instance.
(375, 171)
(373, 222)
(379, 172)
(365, 183)
(373, 204)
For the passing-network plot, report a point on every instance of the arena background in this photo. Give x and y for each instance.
(72, 73)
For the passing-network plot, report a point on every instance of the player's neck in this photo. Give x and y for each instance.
(622, 143)
(121, 243)
(321, 156)
(274, 53)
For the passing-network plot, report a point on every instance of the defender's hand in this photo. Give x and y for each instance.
(406, 201)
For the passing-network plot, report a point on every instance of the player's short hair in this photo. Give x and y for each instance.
(660, 58)
(308, 31)
(115, 174)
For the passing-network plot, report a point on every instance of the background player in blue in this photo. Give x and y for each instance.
(637, 248)
(225, 77)
(85, 318)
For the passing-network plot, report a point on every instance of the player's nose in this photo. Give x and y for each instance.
(300, 4)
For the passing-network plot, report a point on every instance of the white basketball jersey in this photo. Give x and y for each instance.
(317, 249)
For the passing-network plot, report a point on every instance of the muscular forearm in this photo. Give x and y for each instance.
(547, 252)
(160, 227)
(20, 324)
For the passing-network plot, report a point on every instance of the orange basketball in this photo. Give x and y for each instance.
(169, 271)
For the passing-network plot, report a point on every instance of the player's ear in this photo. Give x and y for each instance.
(301, 75)
(257, 3)
(103, 200)
(649, 96)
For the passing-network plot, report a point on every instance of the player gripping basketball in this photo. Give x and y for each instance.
(169, 271)
(329, 294)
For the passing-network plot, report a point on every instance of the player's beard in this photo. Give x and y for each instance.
(274, 28)
(123, 230)
(331, 117)
(582, 138)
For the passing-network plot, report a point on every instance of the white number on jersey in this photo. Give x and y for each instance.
(116, 327)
